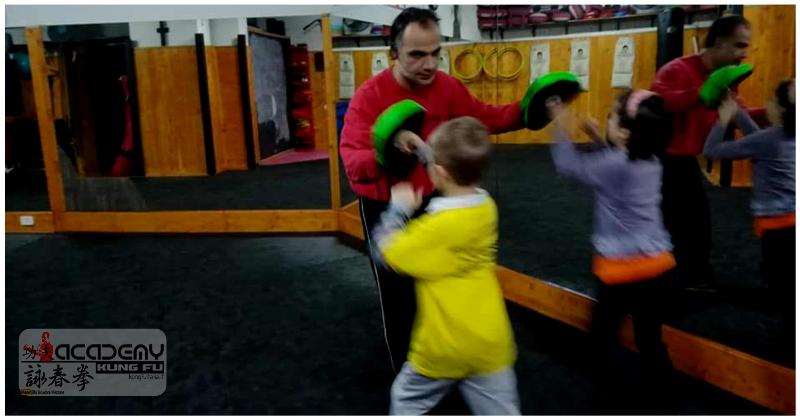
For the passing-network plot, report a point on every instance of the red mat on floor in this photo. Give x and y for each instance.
(294, 156)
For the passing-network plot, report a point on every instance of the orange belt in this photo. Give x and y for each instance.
(628, 270)
(764, 223)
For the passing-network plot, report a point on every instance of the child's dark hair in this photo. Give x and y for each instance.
(787, 117)
(650, 128)
(463, 148)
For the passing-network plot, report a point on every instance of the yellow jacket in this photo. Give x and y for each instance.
(461, 328)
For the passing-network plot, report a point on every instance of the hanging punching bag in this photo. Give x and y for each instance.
(670, 35)
(123, 164)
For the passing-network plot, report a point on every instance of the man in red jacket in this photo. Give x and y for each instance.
(415, 45)
(684, 203)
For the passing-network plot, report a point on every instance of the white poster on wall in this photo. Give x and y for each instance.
(347, 75)
(379, 62)
(579, 61)
(624, 58)
(444, 61)
(540, 60)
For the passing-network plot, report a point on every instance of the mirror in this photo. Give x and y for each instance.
(144, 134)
(26, 182)
(546, 219)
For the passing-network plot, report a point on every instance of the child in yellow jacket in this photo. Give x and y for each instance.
(462, 335)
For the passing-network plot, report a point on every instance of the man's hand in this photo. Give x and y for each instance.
(403, 194)
(407, 142)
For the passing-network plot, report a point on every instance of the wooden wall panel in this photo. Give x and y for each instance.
(253, 109)
(318, 104)
(169, 111)
(770, 26)
(772, 51)
(227, 121)
(772, 55)
(597, 102)
(363, 66)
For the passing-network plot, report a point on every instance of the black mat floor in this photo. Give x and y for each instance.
(269, 325)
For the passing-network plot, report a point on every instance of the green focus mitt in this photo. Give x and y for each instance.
(718, 83)
(404, 115)
(561, 83)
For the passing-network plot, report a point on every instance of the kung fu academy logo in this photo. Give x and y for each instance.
(92, 362)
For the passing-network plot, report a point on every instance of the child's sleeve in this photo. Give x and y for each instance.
(587, 168)
(392, 222)
(745, 122)
(420, 250)
(746, 147)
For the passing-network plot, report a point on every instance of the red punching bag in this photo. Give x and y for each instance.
(123, 166)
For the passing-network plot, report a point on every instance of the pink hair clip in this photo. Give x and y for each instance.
(636, 98)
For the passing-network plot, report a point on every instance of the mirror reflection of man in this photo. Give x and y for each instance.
(687, 216)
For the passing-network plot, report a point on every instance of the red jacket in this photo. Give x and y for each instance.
(444, 99)
(679, 82)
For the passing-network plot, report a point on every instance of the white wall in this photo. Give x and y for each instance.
(144, 34)
(225, 31)
(446, 18)
(18, 35)
(112, 30)
(468, 16)
(35, 15)
(181, 33)
(294, 30)
(202, 27)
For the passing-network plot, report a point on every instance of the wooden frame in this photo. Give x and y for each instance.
(330, 104)
(43, 222)
(760, 381)
(46, 122)
(227, 221)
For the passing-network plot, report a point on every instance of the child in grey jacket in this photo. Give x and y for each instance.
(772, 152)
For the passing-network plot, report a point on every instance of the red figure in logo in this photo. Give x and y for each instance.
(45, 350)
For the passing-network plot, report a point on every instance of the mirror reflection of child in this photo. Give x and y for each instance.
(772, 152)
